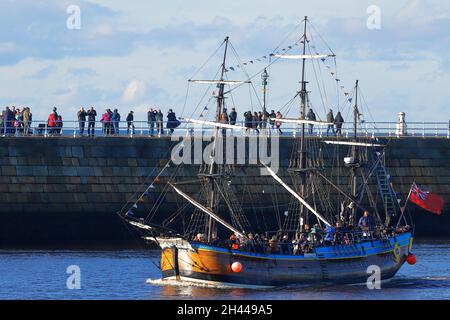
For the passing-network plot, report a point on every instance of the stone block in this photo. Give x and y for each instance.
(77, 152)
(69, 171)
(10, 170)
(40, 170)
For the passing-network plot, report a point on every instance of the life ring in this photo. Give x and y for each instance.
(396, 252)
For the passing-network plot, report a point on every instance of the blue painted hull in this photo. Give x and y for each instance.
(334, 264)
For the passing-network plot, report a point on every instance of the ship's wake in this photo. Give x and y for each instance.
(188, 283)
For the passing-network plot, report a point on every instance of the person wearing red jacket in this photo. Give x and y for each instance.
(52, 122)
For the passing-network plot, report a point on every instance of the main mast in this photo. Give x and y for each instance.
(213, 169)
(303, 94)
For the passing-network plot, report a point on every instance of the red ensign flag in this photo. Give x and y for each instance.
(426, 200)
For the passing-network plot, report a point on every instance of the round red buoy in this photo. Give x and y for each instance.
(411, 259)
(236, 267)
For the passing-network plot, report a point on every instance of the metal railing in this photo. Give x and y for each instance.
(143, 128)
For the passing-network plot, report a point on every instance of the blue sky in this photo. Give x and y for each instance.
(135, 54)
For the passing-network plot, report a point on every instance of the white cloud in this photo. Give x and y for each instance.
(134, 91)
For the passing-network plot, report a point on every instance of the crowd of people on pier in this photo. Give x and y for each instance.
(111, 120)
(304, 241)
(18, 121)
(15, 120)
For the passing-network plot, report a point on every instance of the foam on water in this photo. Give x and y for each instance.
(187, 283)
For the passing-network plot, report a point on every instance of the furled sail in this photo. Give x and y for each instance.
(230, 82)
(214, 124)
(140, 225)
(350, 143)
(299, 121)
(208, 211)
(304, 56)
(295, 194)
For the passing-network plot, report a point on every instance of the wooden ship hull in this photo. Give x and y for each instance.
(345, 264)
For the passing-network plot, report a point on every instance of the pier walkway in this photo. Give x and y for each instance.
(142, 128)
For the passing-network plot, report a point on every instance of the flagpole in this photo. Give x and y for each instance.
(406, 202)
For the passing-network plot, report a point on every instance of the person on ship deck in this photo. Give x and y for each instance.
(233, 242)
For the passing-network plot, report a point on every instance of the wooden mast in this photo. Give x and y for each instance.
(355, 153)
(213, 169)
(303, 93)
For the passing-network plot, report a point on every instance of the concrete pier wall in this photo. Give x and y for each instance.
(67, 190)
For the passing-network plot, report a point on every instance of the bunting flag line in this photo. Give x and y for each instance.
(264, 57)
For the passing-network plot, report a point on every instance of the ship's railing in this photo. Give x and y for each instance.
(311, 240)
(71, 128)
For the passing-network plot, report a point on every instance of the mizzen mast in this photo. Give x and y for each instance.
(355, 151)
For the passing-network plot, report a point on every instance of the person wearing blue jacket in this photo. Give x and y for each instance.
(115, 120)
(329, 236)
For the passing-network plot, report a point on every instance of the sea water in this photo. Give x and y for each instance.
(125, 274)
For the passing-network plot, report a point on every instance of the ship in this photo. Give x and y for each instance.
(322, 239)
